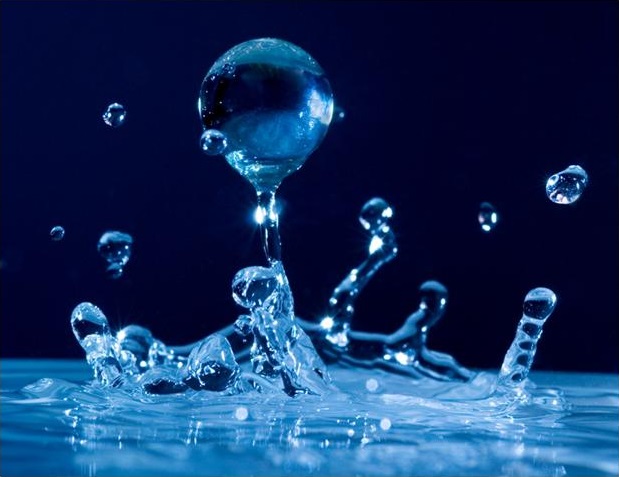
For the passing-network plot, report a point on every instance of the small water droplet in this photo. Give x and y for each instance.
(115, 115)
(567, 186)
(57, 233)
(213, 142)
(374, 214)
(487, 216)
(115, 247)
(338, 114)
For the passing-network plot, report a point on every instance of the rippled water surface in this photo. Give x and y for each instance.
(55, 422)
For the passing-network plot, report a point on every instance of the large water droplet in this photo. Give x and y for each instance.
(252, 286)
(273, 103)
(115, 247)
(487, 216)
(213, 142)
(211, 365)
(57, 233)
(115, 115)
(374, 214)
(567, 186)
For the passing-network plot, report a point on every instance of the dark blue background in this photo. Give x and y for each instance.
(447, 105)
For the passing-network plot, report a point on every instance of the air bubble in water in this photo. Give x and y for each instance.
(213, 142)
(57, 233)
(273, 103)
(567, 186)
(487, 217)
(115, 247)
(115, 115)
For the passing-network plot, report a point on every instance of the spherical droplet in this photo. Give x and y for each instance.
(273, 103)
(115, 247)
(57, 233)
(338, 114)
(115, 115)
(539, 303)
(487, 216)
(213, 142)
(374, 214)
(567, 186)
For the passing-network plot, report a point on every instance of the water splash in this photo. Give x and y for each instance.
(266, 105)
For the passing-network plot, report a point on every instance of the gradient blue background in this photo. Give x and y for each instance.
(447, 105)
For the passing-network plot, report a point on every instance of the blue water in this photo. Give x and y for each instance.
(389, 425)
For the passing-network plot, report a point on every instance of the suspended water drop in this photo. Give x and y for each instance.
(487, 216)
(374, 214)
(213, 142)
(115, 115)
(273, 103)
(115, 247)
(338, 114)
(567, 186)
(57, 233)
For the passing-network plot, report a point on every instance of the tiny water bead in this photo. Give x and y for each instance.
(213, 142)
(272, 102)
(115, 115)
(567, 186)
(115, 247)
(57, 233)
(487, 217)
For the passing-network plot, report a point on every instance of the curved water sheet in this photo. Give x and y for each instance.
(373, 423)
